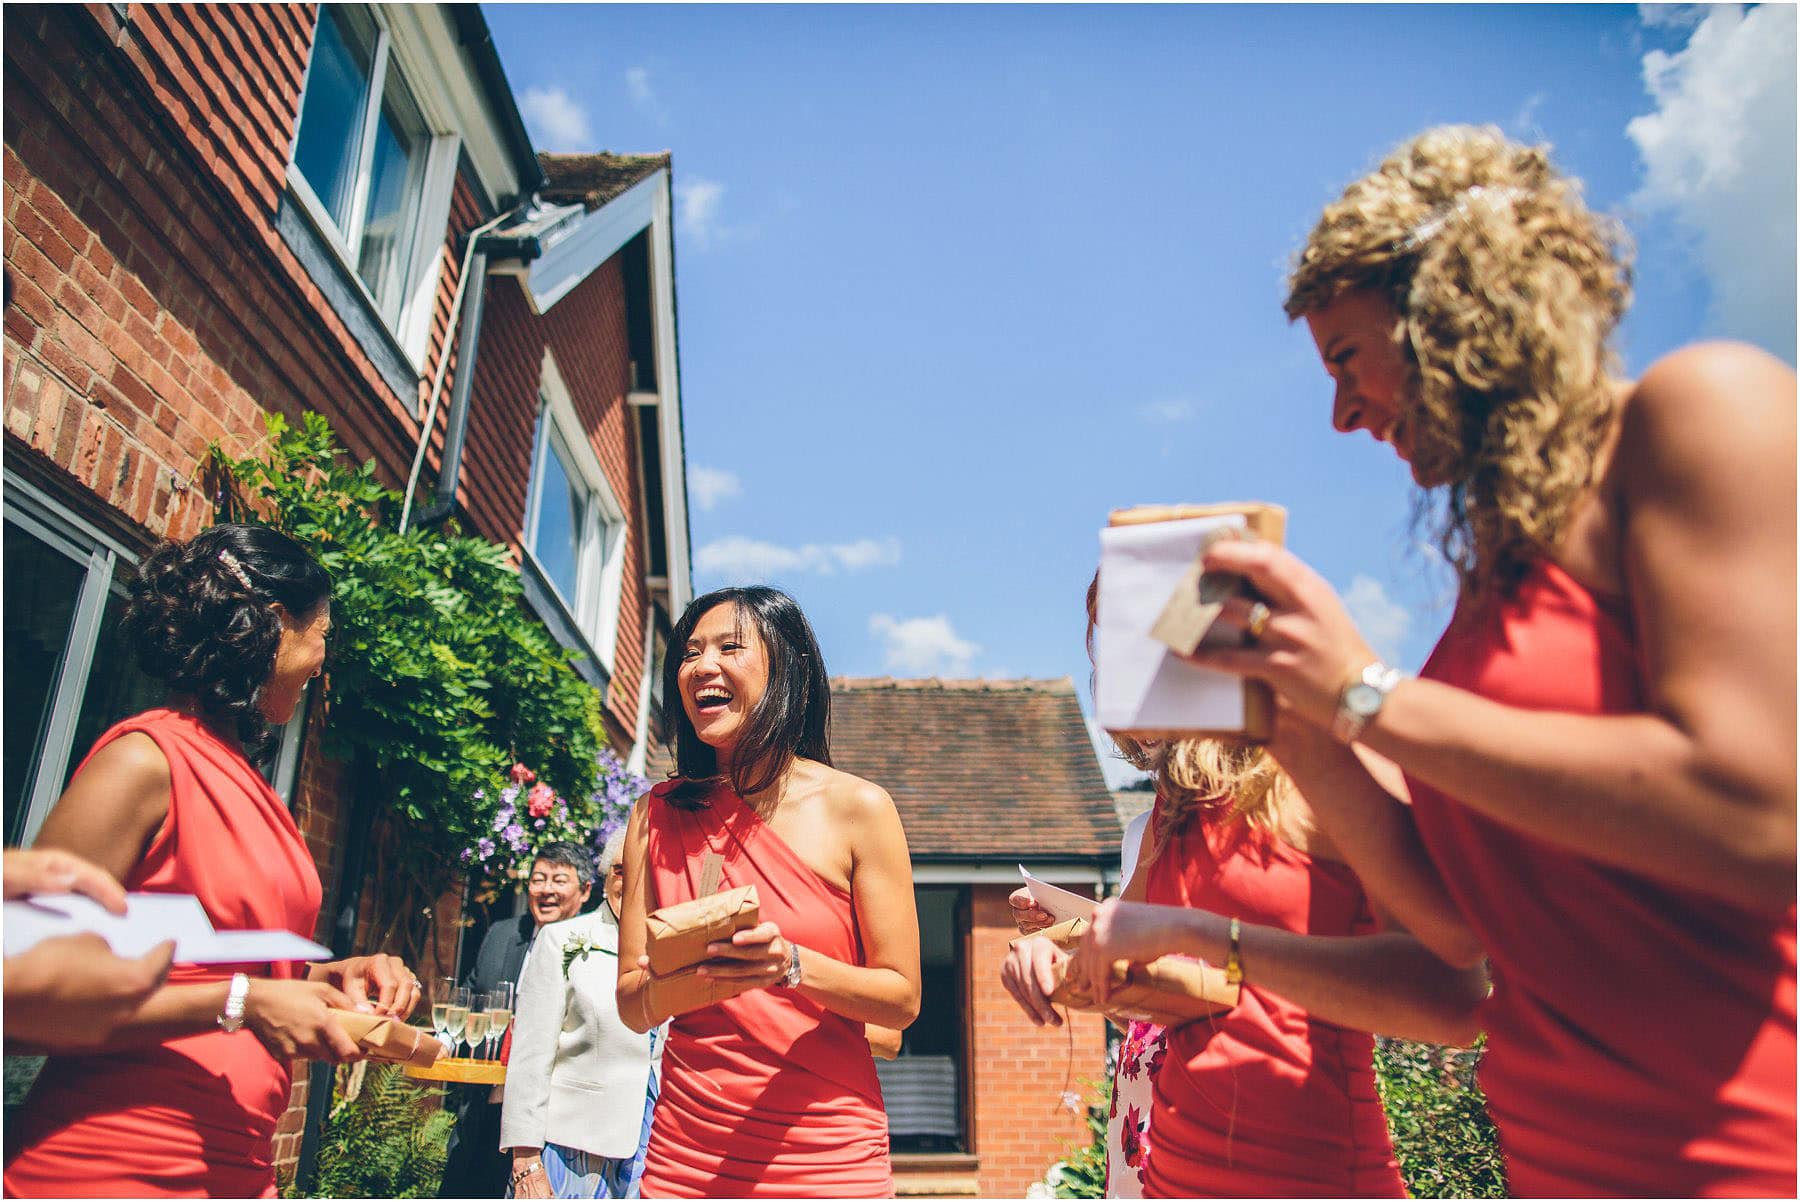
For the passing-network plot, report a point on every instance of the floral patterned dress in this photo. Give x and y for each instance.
(1128, 1126)
(1140, 1056)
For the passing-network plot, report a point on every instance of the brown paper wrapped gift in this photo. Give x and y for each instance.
(1169, 990)
(683, 990)
(380, 1037)
(678, 934)
(1066, 935)
(1189, 618)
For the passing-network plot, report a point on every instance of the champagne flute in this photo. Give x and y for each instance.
(440, 1005)
(500, 1010)
(475, 1029)
(456, 1014)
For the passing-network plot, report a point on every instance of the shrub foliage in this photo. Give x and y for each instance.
(437, 677)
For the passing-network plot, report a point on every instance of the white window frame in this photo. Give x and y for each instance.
(107, 564)
(600, 567)
(437, 182)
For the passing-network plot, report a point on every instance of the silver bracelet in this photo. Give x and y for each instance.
(519, 1175)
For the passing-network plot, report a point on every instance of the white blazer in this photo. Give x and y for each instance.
(577, 1075)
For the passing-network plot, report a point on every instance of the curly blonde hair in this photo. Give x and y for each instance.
(1220, 779)
(1507, 289)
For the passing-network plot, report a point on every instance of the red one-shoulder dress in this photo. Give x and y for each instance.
(1640, 1035)
(1267, 1100)
(766, 1094)
(195, 1116)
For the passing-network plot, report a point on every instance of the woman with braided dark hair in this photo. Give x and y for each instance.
(183, 1098)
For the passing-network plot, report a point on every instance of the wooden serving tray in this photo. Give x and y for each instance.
(466, 1072)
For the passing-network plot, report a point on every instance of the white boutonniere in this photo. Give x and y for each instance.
(578, 949)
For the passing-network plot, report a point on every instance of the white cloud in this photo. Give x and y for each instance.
(558, 124)
(1672, 16)
(643, 96)
(697, 204)
(1381, 620)
(736, 558)
(1169, 411)
(923, 646)
(710, 485)
(1718, 154)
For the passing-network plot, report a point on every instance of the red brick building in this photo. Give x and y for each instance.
(217, 212)
(987, 775)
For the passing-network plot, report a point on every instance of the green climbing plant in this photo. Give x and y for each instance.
(437, 677)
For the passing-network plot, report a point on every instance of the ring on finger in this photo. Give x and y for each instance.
(1257, 622)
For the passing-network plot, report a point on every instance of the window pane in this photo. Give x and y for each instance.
(116, 687)
(42, 586)
(331, 115)
(396, 176)
(561, 504)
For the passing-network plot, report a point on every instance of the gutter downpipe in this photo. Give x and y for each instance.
(467, 343)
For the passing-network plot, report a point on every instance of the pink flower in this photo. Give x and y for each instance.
(521, 775)
(539, 800)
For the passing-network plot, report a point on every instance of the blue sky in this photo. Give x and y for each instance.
(955, 281)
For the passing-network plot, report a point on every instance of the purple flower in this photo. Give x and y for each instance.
(515, 837)
(467, 855)
(485, 848)
(504, 818)
(509, 795)
(538, 823)
(480, 793)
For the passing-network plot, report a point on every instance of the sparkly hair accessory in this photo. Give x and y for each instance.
(235, 568)
(1443, 214)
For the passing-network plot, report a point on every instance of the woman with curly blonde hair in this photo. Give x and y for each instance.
(1277, 1097)
(1599, 755)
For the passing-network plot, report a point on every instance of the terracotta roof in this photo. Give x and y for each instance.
(1129, 803)
(594, 179)
(981, 769)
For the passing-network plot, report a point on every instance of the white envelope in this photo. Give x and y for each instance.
(1062, 903)
(149, 919)
(1139, 684)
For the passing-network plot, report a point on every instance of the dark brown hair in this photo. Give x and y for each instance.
(793, 718)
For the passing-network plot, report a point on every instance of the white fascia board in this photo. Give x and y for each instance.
(1005, 874)
(444, 83)
(668, 382)
(597, 238)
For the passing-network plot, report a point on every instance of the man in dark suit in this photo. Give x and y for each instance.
(562, 878)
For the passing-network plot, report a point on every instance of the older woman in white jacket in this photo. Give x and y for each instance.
(580, 1084)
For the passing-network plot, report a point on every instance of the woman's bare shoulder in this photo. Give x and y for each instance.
(850, 796)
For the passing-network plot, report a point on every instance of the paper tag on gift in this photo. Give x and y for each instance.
(711, 868)
(1193, 608)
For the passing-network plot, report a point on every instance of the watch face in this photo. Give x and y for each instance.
(1363, 700)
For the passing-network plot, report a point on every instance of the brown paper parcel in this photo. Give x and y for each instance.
(1066, 935)
(1188, 618)
(1169, 990)
(383, 1038)
(684, 990)
(678, 934)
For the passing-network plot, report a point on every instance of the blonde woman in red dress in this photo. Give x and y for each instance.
(1599, 755)
(183, 1097)
(772, 1092)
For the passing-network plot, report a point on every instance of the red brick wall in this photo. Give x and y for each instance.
(585, 331)
(1020, 1071)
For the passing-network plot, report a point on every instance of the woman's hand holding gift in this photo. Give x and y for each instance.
(1028, 916)
(1029, 973)
(395, 990)
(755, 958)
(1308, 648)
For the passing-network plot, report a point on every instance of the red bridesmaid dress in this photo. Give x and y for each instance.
(194, 1116)
(766, 1094)
(1640, 1035)
(1266, 1100)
